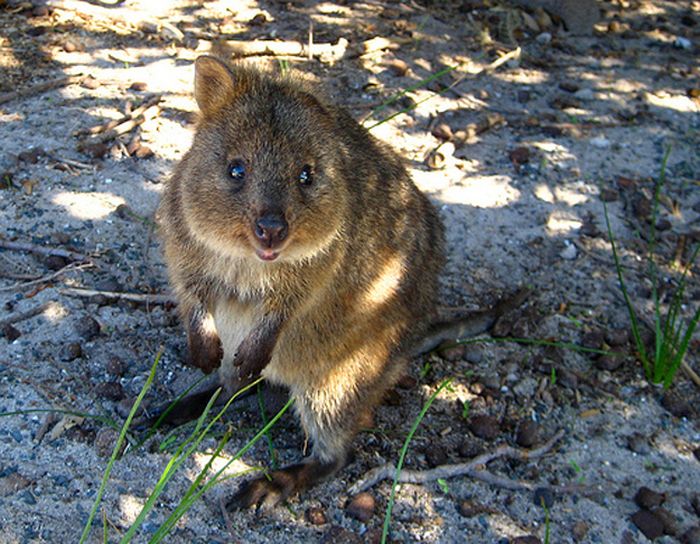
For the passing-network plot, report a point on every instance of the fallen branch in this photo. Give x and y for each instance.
(42, 250)
(122, 128)
(114, 123)
(40, 88)
(473, 469)
(44, 279)
(22, 316)
(131, 297)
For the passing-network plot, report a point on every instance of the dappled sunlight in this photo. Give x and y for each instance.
(562, 223)
(55, 312)
(130, 507)
(91, 205)
(385, 283)
(236, 469)
(481, 192)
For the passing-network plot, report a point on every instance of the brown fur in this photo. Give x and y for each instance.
(353, 284)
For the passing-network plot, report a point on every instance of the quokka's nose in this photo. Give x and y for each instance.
(271, 229)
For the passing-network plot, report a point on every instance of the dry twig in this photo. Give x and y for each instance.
(44, 279)
(40, 88)
(42, 250)
(473, 468)
(114, 123)
(131, 297)
(22, 316)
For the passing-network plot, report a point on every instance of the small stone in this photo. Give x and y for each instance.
(676, 405)
(543, 496)
(361, 507)
(544, 38)
(340, 535)
(519, 156)
(442, 131)
(90, 83)
(569, 86)
(469, 508)
(40, 11)
(138, 86)
(316, 516)
(56, 262)
(527, 539)
(70, 351)
(585, 95)
(486, 427)
(638, 443)
(259, 19)
(96, 150)
(648, 524)
(13, 482)
(144, 152)
(115, 366)
(609, 362)
(69, 46)
(527, 434)
(569, 253)
(682, 43)
(10, 332)
(647, 498)
(600, 142)
(105, 439)
(691, 536)
(87, 328)
(31, 155)
(435, 456)
(669, 521)
(397, 67)
(580, 530)
(109, 390)
(609, 195)
(469, 449)
(453, 353)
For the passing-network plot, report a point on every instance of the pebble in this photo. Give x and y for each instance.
(609, 195)
(115, 366)
(600, 142)
(70, 351)
(469, 508)
(316, 516)
(435, 455)
(519, 155)
(585, 94)
(442, 131)
(96, 150)
(105, 439)
(10, 332)
(469, 449)
(647, 498)
(138, 86)
(580, 530)
(143, 152)
(90, 83)
(638, 443)
(683, 43)
(69, 46)
(569, 86)
(544, 38)
(485, 427)
(669, 521)
(453, 353)
(55, 262)
(648, 524)
(87, 328)
(543, 496)
(340, 535)
(397, 67)
(31, 155)
(109, 390)
(569, 253)
(361, 507)
(691, 536)
(527, 434)
(528, 539)
(675, 405)
(609, 362)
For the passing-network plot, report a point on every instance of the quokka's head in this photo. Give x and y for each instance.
(262, 178)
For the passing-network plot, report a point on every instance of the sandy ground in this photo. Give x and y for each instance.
(572, 122)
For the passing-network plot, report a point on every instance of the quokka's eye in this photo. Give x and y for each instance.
(306, 176)
(236, 170)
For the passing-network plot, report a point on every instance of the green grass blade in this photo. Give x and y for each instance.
(529, 342)
(630, 309)
(118, 445)
(268, 438)
(404, 449)
(193, 493)
(682, 348)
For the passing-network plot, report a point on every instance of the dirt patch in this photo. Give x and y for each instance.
(519, 159)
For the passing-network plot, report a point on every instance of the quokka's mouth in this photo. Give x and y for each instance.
(266, 254)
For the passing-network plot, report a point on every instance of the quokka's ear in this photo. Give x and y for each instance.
(214, 84)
